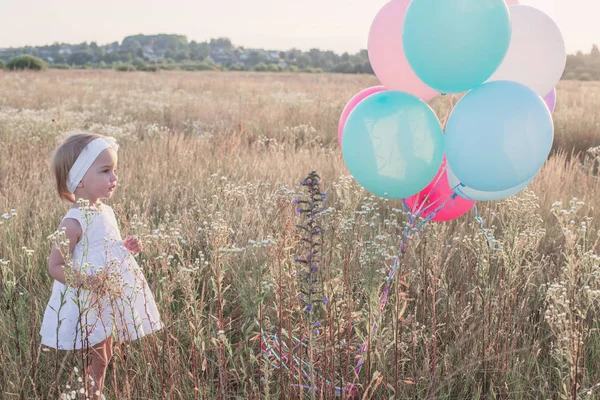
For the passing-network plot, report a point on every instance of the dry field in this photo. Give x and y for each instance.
(209, 166)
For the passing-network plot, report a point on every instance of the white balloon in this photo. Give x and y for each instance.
(537, 55)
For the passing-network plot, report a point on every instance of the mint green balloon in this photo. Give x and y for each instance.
(456, 45)
(393, 144)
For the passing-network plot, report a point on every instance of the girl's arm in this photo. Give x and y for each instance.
(57, 263)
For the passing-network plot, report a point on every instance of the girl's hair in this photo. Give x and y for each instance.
(65, 156)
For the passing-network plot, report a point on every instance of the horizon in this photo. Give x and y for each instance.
(339, 26)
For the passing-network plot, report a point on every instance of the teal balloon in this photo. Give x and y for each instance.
(393, 144)
(456, 45)
(498, 136)
(471, 194)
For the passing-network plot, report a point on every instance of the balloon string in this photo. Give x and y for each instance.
(418, 205)
(486, 232)
(281, 352)
(412, 226)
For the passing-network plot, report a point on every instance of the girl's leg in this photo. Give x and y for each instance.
(100, 355)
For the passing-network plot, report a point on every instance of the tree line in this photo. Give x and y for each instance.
(164, 51)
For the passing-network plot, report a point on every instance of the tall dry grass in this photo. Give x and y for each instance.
(209, 168)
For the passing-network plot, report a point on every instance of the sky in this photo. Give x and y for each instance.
(338, 25)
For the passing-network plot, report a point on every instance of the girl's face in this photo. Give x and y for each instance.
(100, 181)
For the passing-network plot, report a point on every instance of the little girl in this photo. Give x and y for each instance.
(99, 289)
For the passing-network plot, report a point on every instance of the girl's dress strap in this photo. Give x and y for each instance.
(74, 213)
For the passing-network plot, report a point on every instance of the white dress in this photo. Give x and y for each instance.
(78, 318)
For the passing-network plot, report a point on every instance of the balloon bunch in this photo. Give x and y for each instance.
(494, 141)
(498, 135)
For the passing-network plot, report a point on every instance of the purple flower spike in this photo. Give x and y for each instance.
(308, 308)
(325, 300)
(317, 324)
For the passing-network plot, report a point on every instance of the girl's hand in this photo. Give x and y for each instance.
(132, 244)
(97, 283)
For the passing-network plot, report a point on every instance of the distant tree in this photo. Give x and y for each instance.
(2, 65)
(236, 67)
(316, 57)
(182, 55)
(221, 43)
(111, 58)
(203, 50)
(80, 58)
(83, 46)
(303, 60)
(195, 51)
(125, 56)
(260, 67)
(26, 61)
(282, 55)
(293, 54)
(114, 46)
(347, 67)
(138, 62)
(575, 61)
(59, 58)
(147, 68)
(595, 53)
(273, 68)
(254, 58)
(131, 44)
(331, 58)
(98, 52)
(124, 67)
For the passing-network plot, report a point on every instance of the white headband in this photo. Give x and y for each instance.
(87, 158)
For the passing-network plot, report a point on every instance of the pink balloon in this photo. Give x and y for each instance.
(550, 100)
(436, 194)
(360, 96)
(512, 2)
(386, 52)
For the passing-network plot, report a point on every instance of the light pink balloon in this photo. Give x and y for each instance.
(512, 2)
(360, 96)
(438, 193)
(386, 52)
(550, 100)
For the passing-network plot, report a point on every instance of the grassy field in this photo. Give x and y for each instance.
(209, 166)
